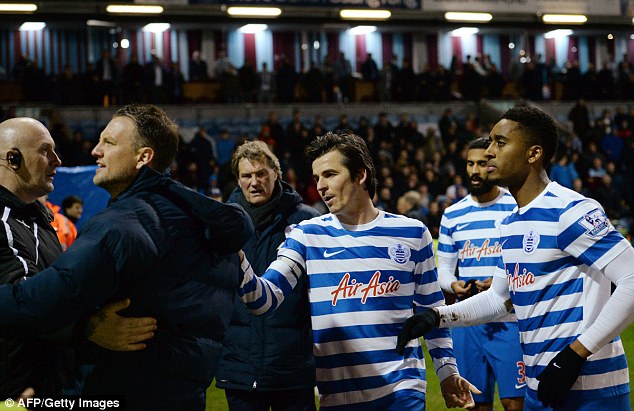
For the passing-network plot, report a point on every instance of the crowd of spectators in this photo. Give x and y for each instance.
(107, 81)
(421, 170)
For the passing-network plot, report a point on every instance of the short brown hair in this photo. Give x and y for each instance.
(255, 151)
(355, 153)
(154, 129)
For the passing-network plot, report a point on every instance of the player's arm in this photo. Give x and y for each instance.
(447, 260)
(456, 390)
(618, 313)
(564, 369)
(479, 309)
(266, 293)
(607, 252)
(484, 307)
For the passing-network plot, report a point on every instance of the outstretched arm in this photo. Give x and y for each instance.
(482, 308)
(266, 293)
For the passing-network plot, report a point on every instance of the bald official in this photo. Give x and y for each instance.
(28, 244)
(27, 158)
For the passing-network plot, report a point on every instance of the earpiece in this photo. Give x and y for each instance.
(14, 158)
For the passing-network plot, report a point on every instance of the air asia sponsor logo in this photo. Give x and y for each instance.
(517, 280)
(350, 288)
(469, 250)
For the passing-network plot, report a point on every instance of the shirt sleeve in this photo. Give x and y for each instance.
(483, 307)
(447, 257)
(264, 294)
(82, 278)
(587, 234)
(428, 294)
(618, 312)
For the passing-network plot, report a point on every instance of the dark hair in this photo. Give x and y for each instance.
(69, 201)
(539, 129)
(354, 150)
(154, 129)
(479, 143)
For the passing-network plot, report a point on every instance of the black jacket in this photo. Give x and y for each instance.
(272, 352)
(166, 248)
(28, 244)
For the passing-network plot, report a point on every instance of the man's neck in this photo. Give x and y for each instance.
(488, 196)
(533, 186)
(363, 214)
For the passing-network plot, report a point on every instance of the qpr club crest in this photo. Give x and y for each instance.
(596, 223)
(530, 242)
(399, 253)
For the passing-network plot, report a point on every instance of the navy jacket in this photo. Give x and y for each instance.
(272, 352)
(165, 247)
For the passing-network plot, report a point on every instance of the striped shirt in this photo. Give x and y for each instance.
(554, 251)
(469, 239)
(364, 282)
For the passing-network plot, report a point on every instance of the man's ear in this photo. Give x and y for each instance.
(145, 156)
(363, 175)
(534, 154)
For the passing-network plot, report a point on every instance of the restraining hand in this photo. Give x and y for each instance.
(457, 392)
(416, 326)
(111, 331)
(461, 289)
(558, 377)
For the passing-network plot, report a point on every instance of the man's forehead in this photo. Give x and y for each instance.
(250, 165)
(476, 154)
(330, 160)
(504, 127)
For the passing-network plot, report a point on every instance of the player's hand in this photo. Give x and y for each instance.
(484, 285)
(111, 331)
(461, 289)
(416, 326)
(457, 392)
(241, 255)
(558, 377)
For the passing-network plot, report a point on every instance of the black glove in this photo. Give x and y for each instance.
(558, 377)
(474, 288)
(416, 326)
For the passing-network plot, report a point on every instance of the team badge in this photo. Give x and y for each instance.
(596, 223)
(530, 242)
(399, 253)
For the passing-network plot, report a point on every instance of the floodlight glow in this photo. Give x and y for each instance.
(18, 7)
(557, 33)
(564, 18)
(32, 26)
(359, 30)
(130, 9)
(156, 27)
(125, 43)
(459, 16)
(253, 28)
(100, 23)
(464, 31)
(351, 14)
(254, 11)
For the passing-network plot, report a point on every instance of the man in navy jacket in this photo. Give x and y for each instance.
(167, 248)
(268, 361)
